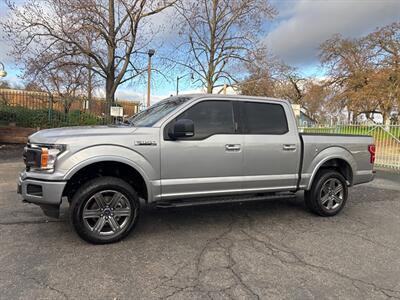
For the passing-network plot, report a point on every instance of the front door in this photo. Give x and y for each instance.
(210, 162)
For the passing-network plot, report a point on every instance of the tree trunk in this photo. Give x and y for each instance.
(110, 93)
(386, 119)
(354, 118)
(89, 87)
(67, 105)
(211, 63)
(210, 87)
(110, 80)
(210, 75)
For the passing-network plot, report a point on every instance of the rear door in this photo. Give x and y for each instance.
(210, 162)
(271, 146)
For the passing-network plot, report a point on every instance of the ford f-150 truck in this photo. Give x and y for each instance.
(189, 150)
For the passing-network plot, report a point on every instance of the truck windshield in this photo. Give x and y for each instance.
(156, 112)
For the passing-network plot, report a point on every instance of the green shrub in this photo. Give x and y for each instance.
(25, 117)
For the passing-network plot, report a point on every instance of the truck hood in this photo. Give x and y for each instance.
(55, 135)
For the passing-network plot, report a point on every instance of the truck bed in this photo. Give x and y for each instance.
(320, 147)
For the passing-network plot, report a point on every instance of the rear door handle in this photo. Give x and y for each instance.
(232, 147)
(289, 147)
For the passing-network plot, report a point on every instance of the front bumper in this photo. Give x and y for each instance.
(46, 194)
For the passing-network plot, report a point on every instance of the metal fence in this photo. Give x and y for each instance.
(43, 110)
(387, 140)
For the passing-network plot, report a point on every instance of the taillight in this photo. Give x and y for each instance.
(371, 150)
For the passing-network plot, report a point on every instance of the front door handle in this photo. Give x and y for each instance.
(289, 147)
(232, 147)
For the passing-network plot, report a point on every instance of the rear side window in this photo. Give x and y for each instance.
(264, 118)
(210, 117)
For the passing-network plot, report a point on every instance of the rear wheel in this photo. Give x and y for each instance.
(328, 193)
(104, 210)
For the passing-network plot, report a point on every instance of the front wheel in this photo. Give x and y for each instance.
(104, 210)
(328, 193)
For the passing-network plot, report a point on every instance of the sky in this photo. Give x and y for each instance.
(294, 36)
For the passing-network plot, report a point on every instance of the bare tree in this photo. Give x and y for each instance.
(314, 100)
(4, 84)
(67, 81)
(218, 34)
(364, 73)
(60, 27)
(291, 84)
(349, 68)
(385, 43)
(271, 77)
(33, 86)
(263, 78)
(363, 77)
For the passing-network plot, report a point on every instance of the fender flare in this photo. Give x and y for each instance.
(86, 158)
(343, 154)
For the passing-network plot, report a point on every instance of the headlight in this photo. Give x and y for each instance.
(42, 157)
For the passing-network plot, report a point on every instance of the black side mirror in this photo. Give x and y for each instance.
(182, 128)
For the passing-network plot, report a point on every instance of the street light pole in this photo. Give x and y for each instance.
(179, 78)
(150, 53)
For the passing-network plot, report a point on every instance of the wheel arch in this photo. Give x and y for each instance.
(108, 166)
(334, 158)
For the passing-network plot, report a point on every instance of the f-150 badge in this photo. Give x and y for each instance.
(145, 143)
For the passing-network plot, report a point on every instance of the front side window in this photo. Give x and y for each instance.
(209, 118)
(264, 118)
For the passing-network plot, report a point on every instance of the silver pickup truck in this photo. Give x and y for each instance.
(189, 150)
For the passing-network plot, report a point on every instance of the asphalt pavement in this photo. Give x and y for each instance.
(265, 250)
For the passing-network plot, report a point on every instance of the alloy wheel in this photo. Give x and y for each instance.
(108, 213)
(332, 193)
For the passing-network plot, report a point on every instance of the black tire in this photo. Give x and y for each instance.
(96, 199)
(328, 193)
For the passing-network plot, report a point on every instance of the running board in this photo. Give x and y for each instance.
(222, 199)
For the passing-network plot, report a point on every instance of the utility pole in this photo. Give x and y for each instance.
(150, 53)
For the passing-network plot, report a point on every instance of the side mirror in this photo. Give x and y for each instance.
(182, 128)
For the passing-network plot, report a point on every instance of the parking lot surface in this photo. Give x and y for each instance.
(264, 250)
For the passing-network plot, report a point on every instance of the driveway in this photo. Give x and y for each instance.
(268, 250)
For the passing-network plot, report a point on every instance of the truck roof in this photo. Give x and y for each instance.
(232, 97)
